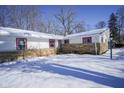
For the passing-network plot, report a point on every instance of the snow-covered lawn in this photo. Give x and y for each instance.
(67, 70)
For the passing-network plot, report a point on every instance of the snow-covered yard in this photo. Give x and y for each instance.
(67, 70)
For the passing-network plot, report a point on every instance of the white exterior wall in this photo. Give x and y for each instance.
(96, 38)
(78, 39)
(34, 43)
(105, 37)
(56, 43)
(7, 43)
(37, 43)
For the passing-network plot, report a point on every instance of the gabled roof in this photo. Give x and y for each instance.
(92, 32)
(26, 33)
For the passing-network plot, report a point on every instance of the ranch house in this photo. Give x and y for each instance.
(17, 43)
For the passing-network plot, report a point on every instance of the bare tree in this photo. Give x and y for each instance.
(57, 30)
(32, 17)
(4, 15)
(120, 19)
(66, 19)
(100, 24)
(14, 16)
(79, 27)
(22, 17)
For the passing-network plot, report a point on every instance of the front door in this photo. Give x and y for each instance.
(60, 45)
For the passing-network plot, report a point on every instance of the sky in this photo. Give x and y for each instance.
(90, 14)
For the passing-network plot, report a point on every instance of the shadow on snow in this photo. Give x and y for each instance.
(80, 73)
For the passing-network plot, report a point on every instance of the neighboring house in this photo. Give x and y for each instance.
(15, 43)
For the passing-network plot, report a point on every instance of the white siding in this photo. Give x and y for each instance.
(105, 37)
(37, 43)
(56, 43)
(78, 39)
(7, 44)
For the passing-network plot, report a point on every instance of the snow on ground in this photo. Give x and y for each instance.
(67, 70)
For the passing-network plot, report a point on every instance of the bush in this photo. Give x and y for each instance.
(119, 45)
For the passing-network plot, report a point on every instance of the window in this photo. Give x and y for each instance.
(52, 43)
(21, 43)
(87, 40)
(66, 41)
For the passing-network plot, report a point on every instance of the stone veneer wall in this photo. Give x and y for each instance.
(66, 48)
(85, 48)
(78, 48)
(8, 56)
(103, 47)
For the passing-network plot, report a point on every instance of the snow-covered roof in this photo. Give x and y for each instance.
(5, 31)
(92, 32)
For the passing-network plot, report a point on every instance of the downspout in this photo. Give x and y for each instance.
(95, 46)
